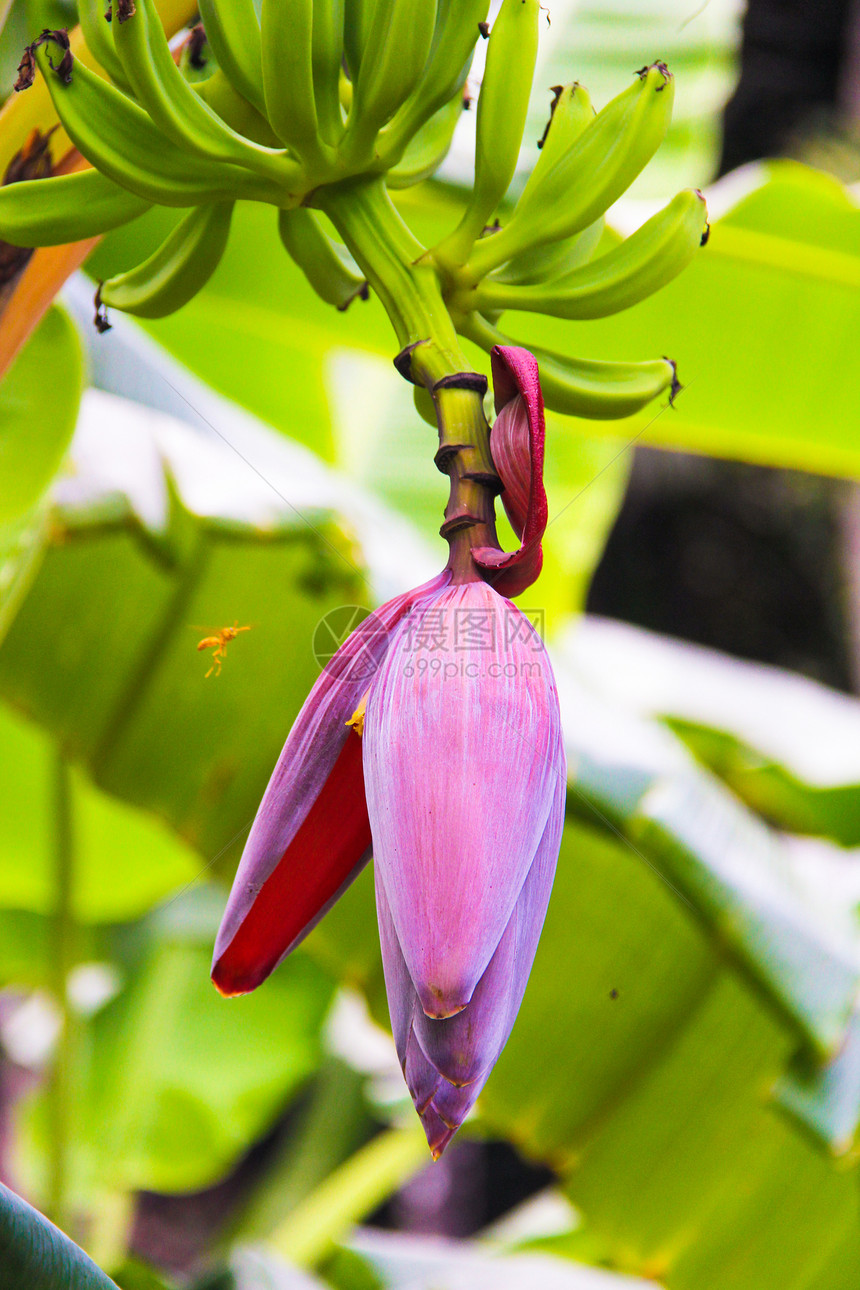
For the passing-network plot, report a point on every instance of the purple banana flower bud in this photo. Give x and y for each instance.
(454, 777)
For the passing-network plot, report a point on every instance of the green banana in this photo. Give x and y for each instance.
(601, 391)
(120, 140)
(589, 176)
(357, 17)
(448, 63)
(227, 103)
(330, 270)
(502, 106)
(233, 31)
(583, 387)
(554, 260)
(327, 59)
(176, 271)
(429, 147)
(571, 112)
(68, 208)
(288, 74)
(400, 37)
(98, 35)
(639, 266)
(173, 105)
(424, 405)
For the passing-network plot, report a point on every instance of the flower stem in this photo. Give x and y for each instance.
(404, 277)
(63, 948)
(355, 1189)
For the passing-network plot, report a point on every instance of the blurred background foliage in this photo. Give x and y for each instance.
(680, 1098)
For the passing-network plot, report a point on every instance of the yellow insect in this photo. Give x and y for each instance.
(219, 643)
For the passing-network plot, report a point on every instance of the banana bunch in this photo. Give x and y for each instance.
(313, 105)
(308, 94)
(553, 255)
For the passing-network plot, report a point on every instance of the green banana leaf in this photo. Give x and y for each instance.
(34, 430)
(650, 1097)
(172, 1082)
(34, 433)
(157, 541)
(35, 1254)
(786, 745)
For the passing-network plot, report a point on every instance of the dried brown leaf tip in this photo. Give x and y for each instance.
(196, 47)
(100, 321)
(556, 91)
(27, 65)
(59, 37)
(26, 70)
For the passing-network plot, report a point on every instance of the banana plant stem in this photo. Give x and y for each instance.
(400, 272)
(355, 1189)
(63, 949)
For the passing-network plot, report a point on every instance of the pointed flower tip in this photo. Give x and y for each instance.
(437, 1004)
(438, 1133)
(232, 981)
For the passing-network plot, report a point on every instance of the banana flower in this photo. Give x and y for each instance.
(433, 740)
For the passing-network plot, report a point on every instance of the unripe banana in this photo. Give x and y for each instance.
(428, 149)
(228, 104)
(173, 105)
(571, 113)
(288, 74)
(399, 41)
(502, 107)
(357, 18)
(98, 34)
(584, 387)
(233, 31)
(589, 176)
(68, 208)
(329, 269)
(177, 270)
(602, 391)
(553, 261)
(424, 405)
(639, 266)
(327, 58)
(451, 54)
(120, 140)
